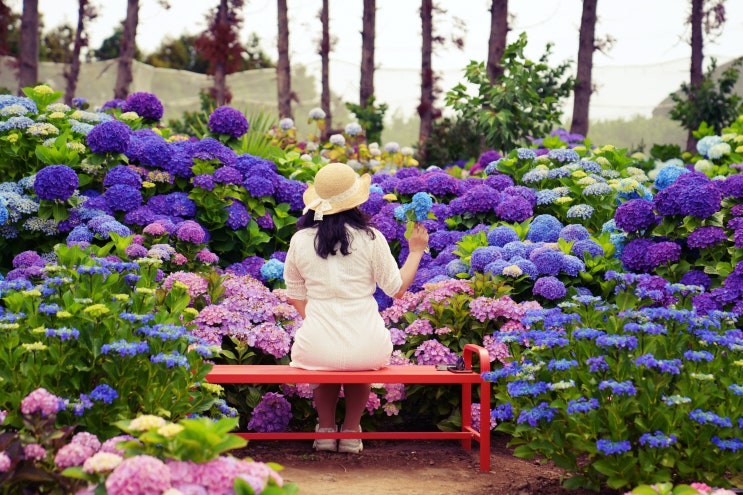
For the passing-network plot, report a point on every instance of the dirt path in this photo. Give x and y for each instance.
(408, 468)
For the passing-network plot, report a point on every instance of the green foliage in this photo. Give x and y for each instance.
(637, 133)
(451, 140)
(195, 123)
(370, 117)
(715, 104)
(665, 152)
(523, 102)
(68, 341)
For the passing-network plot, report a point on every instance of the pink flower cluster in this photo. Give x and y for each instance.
(42, 401)
(197, 285)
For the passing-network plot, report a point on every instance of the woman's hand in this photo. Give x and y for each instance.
(418, 241)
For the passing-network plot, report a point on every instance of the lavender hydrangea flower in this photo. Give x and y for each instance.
(191, 231)
(580, 248)
(544, 228)
(121, 174)
(203, 181)
(228, 175)
(109, 137)
(229, 121)
(549, 287)
(483, 256)
(514, 208)
(259, 186)
(635, 215)
(479, 199)
(272, 414)
(548, 261)
(502, 235)
(696, 277)
(55, 182)
(574, 232)
(144, 104)
(237, 215)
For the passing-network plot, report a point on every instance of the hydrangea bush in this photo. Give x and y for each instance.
(625, 393)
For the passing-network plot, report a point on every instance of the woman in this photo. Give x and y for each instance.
(334, 263)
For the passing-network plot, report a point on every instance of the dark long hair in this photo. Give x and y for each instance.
(332, 230)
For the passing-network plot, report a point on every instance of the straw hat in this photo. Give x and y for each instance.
(337, 188)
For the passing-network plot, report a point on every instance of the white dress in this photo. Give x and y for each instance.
(343, 329)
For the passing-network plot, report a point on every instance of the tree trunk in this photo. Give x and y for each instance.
(73, 73)
(583, 84)
(126, 52)
(366, 86)
(28, 74)
(283, 74)
(220, 72)
(695, 73)
(325, 71)
(425, 109)
(497, 42)
(5, 21)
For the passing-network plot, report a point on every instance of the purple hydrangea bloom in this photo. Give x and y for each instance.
(121, 174)
(374, 204)
(55, 182)
(191, 231)
(272, 414)
(290, 191)
(173, 204)
(705, 237)
(153, 152)
(732, 186)
(227, 120)
(228, 175)
(28, 259)
(109, 137)
(692, 194)
(499, 182)
(245, 163)
(548, 261)
(440, 183)
(587, 246)
(514, 208)
(146, 105)
(483, 256)
(635, 215)
(696, 277)
(572, 265)
(479, 199)
(544, 228)
(112, 104)
(209, 149)
(181, 159)
(487, 157)
(203, 181)
(502, 235)
(81, 233)
(237, 215)
(525, 192)
(122, 197)
(635, 255)
(406, 173)
(266, 222)
(550, 288)
(259, 186)
(411, 185)
(574, 232)
(141, 215)
(662, 253)
(514, 249)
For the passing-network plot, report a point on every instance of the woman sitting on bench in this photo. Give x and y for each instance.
(334, 263)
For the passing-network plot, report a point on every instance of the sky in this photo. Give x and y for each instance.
(649, 60)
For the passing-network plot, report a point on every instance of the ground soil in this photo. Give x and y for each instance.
(390, 467)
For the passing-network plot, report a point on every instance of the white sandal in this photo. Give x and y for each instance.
(325, 443)
(350, 445)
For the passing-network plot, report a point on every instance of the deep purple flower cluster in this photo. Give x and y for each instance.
(109, 137)
(693, 194)
(227, 120)
(122, 197)
(121, 174)
(237, 215)
(549, 287)
(479, 199)
(55, 182)
(228, 175)
(514, 208)
(272, 414)
(705, 237)
(146, 105)
(635, 215)
(209, 149)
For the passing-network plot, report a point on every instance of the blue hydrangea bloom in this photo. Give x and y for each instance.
(544, 228)
(109, 137)
(483, 256)
(121, 174)
(668, 175)
(549, 287)
(229, 121)
(574, 232)
(587, 246)
(502, 235)
(144, 104)
(273, 269)
(55, 182)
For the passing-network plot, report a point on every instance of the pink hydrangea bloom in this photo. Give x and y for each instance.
(41, 401)
(34, 451)
(179, 259)
(420, 327)
(88, 440)
(143, 475)
(72, 454)
(4, 462)
(111, 447)
(206, 256)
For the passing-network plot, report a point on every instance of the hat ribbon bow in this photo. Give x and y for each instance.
(321, 205)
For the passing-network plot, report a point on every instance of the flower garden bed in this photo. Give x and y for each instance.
(605, 287)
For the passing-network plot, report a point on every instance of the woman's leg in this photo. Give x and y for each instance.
(357, 395)
(326, 398)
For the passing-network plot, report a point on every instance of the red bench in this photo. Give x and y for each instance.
(254, 374)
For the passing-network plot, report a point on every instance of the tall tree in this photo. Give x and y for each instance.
(85, 12)
(56, 44)
(706, 16)
(128, 48)
(325, 47)
(220, 45)
(583, 85)
(283, 70)
(425, 108)
(497, 42)
(366, 83)
(28, 73)
(6, 21)
(124, 76)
